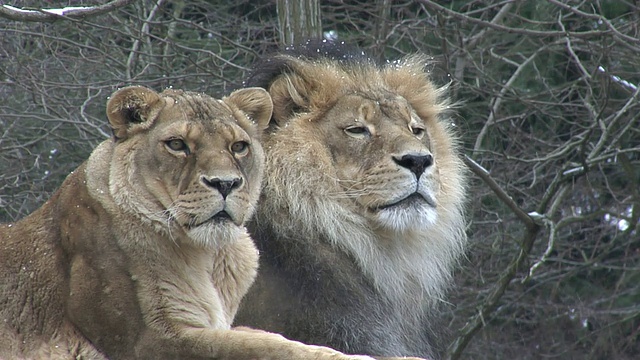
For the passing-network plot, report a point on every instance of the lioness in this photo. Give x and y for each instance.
(142, 252)
(361, 215)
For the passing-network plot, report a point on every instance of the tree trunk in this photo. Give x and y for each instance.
(299, 20)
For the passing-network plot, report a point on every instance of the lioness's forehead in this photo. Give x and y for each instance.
(195, 115)
(196, 106)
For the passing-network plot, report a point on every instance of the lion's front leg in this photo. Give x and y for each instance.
(252, 330)
(398, 358)
(237, 344)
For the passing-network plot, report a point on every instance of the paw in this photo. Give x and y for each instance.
(325, 353)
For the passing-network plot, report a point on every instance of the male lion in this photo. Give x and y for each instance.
(361, 215)
(142, 252)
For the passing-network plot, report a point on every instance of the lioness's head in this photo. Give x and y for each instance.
(371, 137)
(186, 161)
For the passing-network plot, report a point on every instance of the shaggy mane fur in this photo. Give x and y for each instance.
(306, 220)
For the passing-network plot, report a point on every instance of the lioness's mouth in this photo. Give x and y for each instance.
(409, 201)
(222, 215)
(216, 218)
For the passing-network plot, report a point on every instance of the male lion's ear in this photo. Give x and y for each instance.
(255, 102)
(132, 105)
(290, 94)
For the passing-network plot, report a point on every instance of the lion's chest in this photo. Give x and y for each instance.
(207, 288)
(234, 270)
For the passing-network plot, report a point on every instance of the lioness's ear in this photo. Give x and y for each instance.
(132, 105)
(255, 102)
(290, 94)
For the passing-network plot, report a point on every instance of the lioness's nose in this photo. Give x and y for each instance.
(224, 186)
(417, 163)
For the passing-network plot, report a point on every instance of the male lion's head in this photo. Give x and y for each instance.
(374, 134)
(185, 161)
(360, 154)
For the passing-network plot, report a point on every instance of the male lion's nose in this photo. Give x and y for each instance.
(224, 186)
(416, 163)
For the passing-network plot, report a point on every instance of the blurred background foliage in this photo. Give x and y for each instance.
(548, 114)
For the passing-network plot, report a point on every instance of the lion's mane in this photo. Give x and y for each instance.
(340, 278)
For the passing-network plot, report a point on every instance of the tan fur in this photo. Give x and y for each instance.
(342, 188)
(325, 184)
(133, 257)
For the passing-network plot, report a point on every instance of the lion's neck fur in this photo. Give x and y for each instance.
(413, 264)
(167, 252)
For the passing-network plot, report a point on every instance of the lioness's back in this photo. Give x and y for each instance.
(142, 253)
(34, 289)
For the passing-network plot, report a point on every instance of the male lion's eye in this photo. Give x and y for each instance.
(239, 147)
(357, 131)
(419, 132)
(177, 145)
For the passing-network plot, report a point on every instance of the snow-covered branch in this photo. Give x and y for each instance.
(50, 15)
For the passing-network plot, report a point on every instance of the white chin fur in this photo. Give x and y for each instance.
(402, 219)
(216, 234)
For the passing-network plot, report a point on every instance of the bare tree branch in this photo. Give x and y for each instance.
(622, 40)
(51, 15)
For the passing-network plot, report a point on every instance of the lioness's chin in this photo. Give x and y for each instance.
(404, 218)
(215, 233)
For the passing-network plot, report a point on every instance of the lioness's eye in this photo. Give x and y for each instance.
(239, 147)
(177, 145)
(357, 131)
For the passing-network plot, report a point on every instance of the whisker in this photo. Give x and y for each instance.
(169, 215)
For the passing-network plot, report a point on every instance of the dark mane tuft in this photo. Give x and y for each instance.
(267, 69)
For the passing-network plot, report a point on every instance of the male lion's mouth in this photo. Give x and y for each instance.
(413, 200)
